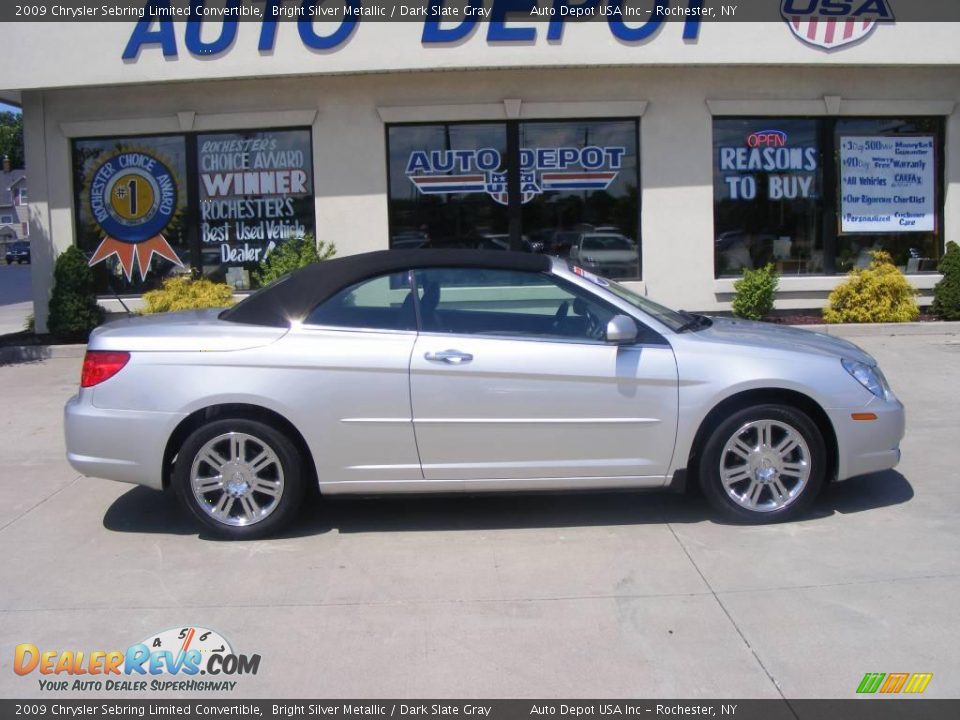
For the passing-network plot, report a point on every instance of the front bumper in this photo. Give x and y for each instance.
(122, 445)
(869, 446)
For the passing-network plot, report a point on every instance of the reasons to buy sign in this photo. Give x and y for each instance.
(887, 184)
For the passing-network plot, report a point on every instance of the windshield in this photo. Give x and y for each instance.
(606, 242)
(671, 318)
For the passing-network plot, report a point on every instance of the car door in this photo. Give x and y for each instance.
(511, 379)
(350, 388)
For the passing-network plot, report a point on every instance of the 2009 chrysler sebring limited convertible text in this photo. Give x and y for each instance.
(450, 370)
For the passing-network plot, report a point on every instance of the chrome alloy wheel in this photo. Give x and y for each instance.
(237, 479)
(765, 465)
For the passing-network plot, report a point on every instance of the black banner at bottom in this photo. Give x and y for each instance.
(854, 709)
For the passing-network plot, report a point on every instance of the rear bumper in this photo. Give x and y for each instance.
(869, 446)
(122, 445)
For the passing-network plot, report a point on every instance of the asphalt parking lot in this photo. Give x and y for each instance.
(604, 595)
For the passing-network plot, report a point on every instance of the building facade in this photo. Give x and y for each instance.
(670, 161)
(14, 199)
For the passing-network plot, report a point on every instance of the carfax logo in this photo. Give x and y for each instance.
(832, 24)
(448, 172)
(133, 198)
(187, 651)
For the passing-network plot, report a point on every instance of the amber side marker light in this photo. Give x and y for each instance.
(100, 365)
(864, 417)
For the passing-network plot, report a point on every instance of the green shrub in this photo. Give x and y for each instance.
(879, 293)
(755, 293)
(291, 255)
(74, 312)
(182, 293)
(946, 294)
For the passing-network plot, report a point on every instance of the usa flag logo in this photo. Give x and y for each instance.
(832, 24)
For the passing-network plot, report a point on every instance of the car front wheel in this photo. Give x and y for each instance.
(240, 478)
(763, 464)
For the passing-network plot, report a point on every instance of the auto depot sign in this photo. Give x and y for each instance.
(211, 30)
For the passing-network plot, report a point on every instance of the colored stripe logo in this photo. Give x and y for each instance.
(894, 683)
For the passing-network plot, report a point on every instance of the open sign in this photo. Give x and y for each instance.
(767, 138)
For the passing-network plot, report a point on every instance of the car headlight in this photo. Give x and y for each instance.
(870, 377)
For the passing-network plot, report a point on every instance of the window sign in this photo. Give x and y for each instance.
(787, 169)
(148, 207)
(887, 184)
(578, 189)
(767, 185)
(256, 191)
(131, 203)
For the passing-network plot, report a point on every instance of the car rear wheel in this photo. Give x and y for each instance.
(240, 478)
(763, 464)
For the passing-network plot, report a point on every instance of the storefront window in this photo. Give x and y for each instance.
(578, 182)
(256, 191)
(448, 186)
(817, 196)
(583, 202)
(149, 207)
(889, 193)
(767, 187)
(131, 201)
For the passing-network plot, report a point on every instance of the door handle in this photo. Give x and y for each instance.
(450, 357)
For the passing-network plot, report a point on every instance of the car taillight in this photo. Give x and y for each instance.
(100, 365)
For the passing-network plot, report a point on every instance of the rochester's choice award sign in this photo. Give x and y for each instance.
(887, 184)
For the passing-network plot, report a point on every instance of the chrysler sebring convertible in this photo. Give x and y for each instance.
(459, 370)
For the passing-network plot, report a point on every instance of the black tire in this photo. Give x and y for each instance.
(710, 466)
(288, 458)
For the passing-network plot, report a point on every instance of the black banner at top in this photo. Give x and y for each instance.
(633, 12)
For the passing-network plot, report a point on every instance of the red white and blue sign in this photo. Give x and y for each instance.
(832, 24)
(561, 169)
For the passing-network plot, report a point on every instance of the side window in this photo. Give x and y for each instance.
(511, 303)
(381, 303)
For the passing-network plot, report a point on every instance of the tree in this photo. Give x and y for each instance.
(73, 304)
(11, 138)
(946, 295)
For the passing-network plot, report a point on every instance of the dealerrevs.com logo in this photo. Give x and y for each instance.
(172, 660)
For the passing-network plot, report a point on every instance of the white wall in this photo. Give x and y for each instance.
(350, 154)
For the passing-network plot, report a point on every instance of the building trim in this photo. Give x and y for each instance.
(510, 109)
(832, 105)
(198, 122)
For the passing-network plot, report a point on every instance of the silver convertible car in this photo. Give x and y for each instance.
(460, 370)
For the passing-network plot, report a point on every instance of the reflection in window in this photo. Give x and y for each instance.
(448, 186)
(767, 190)
(586, 202)
(578, 179)
(817, 196)
(383, 303)
(509, 303)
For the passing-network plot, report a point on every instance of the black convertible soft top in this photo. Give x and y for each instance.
(295, 295)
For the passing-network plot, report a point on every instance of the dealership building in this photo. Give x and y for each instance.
(671, 156)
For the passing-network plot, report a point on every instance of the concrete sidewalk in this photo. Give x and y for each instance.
(625, 595)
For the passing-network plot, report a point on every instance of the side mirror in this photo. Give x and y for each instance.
(621, 330)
